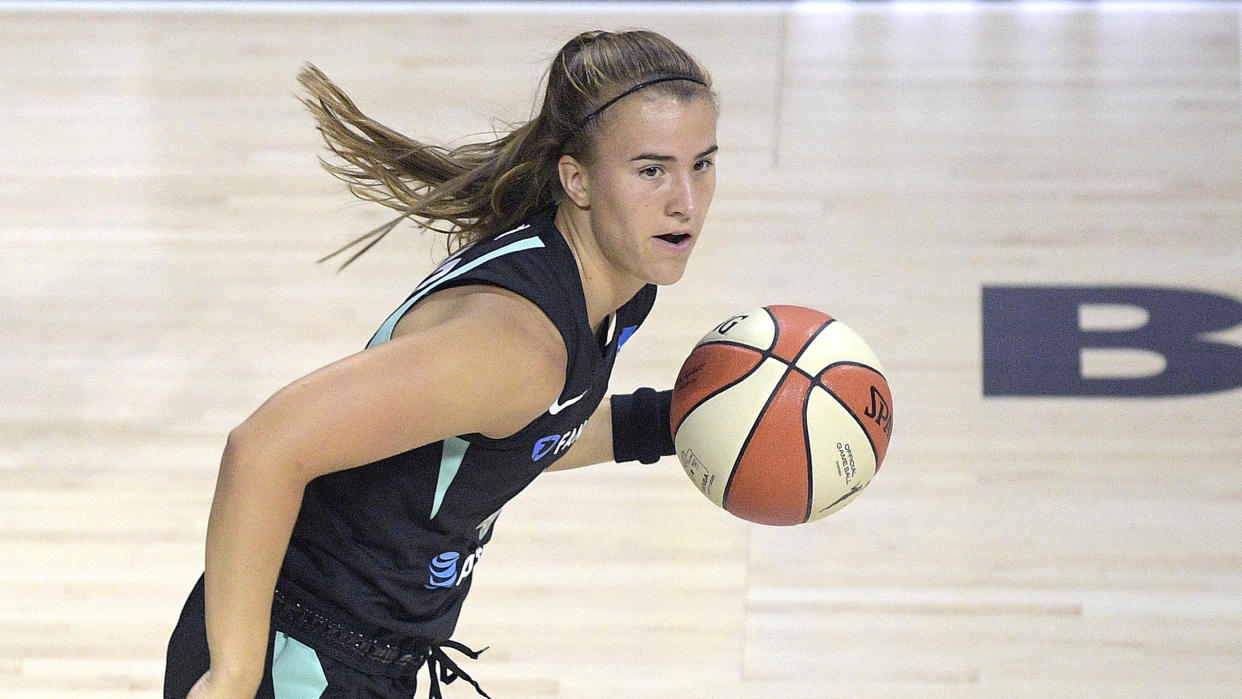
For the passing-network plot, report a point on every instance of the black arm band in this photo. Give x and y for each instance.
(640, 426)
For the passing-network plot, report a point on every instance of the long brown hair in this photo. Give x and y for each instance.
(482, 189)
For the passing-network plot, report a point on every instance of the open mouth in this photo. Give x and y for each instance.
(674, 238)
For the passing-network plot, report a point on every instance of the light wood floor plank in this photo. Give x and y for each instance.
(161, 210)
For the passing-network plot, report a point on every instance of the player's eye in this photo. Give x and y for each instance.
(651, 172)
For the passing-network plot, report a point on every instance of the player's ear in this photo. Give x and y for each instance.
(574, 180)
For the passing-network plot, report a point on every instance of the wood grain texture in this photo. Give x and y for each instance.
(161, 210)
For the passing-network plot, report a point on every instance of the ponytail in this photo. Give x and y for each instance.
(482, 189)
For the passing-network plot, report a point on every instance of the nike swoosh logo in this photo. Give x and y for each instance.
(558, 406)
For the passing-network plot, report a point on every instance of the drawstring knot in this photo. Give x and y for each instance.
(441, 668)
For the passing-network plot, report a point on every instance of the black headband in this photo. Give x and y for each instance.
(632, 90)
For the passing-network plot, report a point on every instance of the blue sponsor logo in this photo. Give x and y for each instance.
(556, 443)
(443, 570)
(544, 446)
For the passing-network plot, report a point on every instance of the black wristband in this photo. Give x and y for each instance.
(640, 426)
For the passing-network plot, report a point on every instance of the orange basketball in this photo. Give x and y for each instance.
(781, 415)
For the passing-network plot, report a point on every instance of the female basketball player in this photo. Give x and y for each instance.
(352, 507)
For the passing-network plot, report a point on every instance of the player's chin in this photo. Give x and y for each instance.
(666, 262)
(667, 273)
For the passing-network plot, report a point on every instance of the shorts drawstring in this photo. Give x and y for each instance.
(441, 668)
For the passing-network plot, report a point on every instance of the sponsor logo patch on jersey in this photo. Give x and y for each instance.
(444, 571)
(556, 444)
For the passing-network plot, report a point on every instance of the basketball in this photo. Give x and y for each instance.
(781, 415)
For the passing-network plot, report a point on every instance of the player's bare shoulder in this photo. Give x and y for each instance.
(512, 345)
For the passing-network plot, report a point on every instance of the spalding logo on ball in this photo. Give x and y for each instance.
(781, 415)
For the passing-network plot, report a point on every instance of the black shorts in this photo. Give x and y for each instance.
(292, 669)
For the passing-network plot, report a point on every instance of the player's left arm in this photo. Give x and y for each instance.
(626, 427)
(594, 445)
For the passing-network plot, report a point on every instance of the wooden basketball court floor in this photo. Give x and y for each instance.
(161, 210)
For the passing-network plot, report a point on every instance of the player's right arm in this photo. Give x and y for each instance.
(438, 377)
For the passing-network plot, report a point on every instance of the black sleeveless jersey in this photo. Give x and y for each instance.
(387, 550)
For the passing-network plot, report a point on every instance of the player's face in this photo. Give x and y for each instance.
(652, 176)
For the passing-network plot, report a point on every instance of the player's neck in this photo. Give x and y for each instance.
(605, 289)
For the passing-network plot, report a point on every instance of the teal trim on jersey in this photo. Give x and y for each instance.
(450, 460)
(296, 672)
(384, 334)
